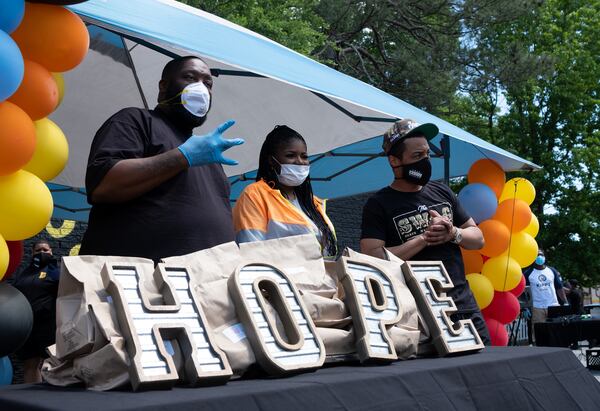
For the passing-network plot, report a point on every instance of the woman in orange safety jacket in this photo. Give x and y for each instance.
(281, 202)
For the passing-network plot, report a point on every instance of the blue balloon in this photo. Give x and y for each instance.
(11, 66)
(479, 201)
(6, 371)
(11, 14)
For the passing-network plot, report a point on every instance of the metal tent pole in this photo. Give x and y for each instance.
(446, 151)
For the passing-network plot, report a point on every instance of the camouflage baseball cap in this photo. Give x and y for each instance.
(405, 128)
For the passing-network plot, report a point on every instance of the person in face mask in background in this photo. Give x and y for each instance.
(418, 219)
(156, 189)
(546, 287)
(39, 284)
(281, 202)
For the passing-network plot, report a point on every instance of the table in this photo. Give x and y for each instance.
(498, 378)
(566, 332)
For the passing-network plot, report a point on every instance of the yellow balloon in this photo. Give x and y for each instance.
(25, 206)
(504, 272)
(4, 257)
(523, 248)
(534, 226)
(482, 289)
(60, 82)
(51, 150)
(520, 188)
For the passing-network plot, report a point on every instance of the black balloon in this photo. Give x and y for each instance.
(16, 319)
(59, 2)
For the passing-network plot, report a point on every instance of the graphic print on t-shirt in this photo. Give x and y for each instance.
(415, 222)
(542, 283)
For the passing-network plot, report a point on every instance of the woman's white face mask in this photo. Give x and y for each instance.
(292, 175)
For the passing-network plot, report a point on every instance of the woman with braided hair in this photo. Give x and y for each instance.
(281, 202)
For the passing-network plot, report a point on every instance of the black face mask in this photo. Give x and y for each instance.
(417, 173)
(41, 260)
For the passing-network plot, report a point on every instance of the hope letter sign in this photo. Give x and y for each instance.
(158, 305)
(157, 309)
(428, 281)
(256, 288)
(371, 298)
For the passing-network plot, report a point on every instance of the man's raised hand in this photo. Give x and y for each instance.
(209, 148)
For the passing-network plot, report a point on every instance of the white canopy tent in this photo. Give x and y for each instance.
(258, 83)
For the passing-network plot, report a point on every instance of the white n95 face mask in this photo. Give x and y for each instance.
(292, 175)
(196, 99)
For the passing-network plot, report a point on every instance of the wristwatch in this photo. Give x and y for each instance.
(457, 236)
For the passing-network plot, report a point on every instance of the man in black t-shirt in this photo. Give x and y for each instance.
(39, 284)
(416, 219)
(156, 189)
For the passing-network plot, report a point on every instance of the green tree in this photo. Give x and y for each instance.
(413, 49)
(546, 63)
(407, 48)
(426, 52)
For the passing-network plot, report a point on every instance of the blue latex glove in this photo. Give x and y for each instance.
(209, 148)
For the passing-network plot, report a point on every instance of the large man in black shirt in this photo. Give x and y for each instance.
(156, 189)
(418, 219)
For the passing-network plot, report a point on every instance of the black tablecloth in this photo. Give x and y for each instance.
(499, 378)
(566, 332)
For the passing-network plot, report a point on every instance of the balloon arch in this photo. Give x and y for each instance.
(37, 42)
(501, 210)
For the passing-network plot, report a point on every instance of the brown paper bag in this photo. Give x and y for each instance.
(89, 345)
(212, 267)
(58, 372)
(405, 333)
(300, 258)
(426, 346)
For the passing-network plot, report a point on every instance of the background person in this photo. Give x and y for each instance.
(574, 296)
(418, 219)
(156, 189)
(545, 284)
(281, 202)
(39, 284)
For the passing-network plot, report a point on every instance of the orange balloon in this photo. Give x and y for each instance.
(496, 237)
(488, 172)
(52, 36)
(513, 213)
(38, 92)
(17, 138)
(472, 260)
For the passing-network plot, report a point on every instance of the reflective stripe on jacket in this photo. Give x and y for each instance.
(262, 213)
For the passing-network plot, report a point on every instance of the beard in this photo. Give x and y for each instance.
(184, 118)
(171, 105)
